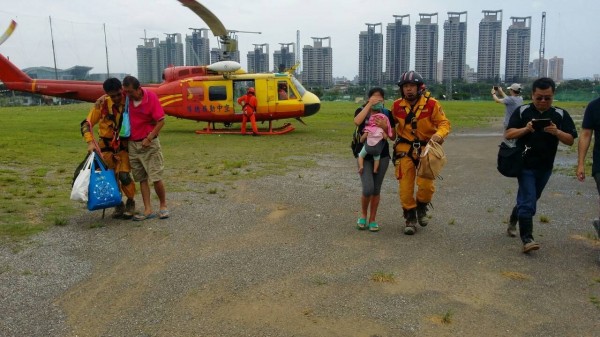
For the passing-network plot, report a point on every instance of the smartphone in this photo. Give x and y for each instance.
(540, 124)
(496, 88)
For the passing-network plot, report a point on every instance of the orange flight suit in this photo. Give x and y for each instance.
(114, 151)
(249, 104)
(430, 120)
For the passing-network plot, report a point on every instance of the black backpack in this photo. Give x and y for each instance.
(356, 145)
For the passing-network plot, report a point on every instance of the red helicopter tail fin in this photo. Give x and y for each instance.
(9, 73)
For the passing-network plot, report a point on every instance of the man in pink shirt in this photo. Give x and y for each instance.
(147, 118)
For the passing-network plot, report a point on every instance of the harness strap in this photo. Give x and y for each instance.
(416, 143)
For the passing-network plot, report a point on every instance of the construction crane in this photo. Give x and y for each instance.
(542, 46)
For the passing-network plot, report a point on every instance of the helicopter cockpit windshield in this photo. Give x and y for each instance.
(299, 86)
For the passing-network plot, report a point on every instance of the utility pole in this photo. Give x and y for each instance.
(106, 49)
(53, 52)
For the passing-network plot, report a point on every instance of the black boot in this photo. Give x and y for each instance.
(129, 209)
(119, 209)
(422, 213)
(411, 221)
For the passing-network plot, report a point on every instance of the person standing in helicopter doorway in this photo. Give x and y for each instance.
(249, 104)
(419, 119)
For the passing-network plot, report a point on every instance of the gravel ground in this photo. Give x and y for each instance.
(279, 256)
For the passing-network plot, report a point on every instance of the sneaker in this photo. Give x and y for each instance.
(512, 226)
(529, 246)
(129, 209)
(119, 209)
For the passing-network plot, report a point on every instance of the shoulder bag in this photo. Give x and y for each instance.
(103, 189)
(510, 160)
(431, 161)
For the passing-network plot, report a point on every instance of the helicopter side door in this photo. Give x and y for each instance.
(208, 100)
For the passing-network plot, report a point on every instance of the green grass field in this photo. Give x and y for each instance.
(41, 146)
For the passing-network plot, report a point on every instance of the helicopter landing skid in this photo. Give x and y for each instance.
(285, 128)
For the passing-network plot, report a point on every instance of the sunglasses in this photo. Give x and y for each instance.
(543, 98)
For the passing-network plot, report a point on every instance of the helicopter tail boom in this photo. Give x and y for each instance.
(10, 73)
(15, 79)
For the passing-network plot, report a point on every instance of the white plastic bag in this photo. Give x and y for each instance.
(82, 182)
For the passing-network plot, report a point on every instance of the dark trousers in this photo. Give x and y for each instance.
(531, 185)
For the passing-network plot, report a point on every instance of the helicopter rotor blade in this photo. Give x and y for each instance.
(215, 25)
(8, 32)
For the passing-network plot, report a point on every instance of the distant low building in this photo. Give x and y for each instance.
(76, 73)
(101, 77)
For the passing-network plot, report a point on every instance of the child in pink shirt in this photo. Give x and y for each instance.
(374, 136)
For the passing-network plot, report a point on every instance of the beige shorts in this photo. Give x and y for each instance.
(146, 162)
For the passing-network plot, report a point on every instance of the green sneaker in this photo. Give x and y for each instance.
(361, 223)
(373, 226)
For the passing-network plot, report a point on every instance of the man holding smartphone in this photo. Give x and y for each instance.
(540, 150)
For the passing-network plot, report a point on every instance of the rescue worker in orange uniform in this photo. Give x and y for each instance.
(107, 113)
(419, 118)
(249, 104)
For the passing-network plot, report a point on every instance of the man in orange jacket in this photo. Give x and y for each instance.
(249, 104)
(107, 113)
(419, 118)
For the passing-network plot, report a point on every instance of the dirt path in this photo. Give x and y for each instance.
(280, 256)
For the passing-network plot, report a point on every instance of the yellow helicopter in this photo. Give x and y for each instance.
(201, 93)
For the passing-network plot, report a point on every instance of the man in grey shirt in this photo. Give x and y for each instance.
(512, 101)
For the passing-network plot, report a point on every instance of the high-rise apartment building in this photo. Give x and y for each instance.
(171, 51)
(397, 53)
(284, 58)
(426, 47)
(370, 55)
(197, 48)
(318, 63)
(490, 44)
(518, 46)
(455, 46)
(258, 59)
(534, 68)
(148, 61)
(555, 68)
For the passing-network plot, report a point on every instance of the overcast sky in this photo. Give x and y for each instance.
(571, 28)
